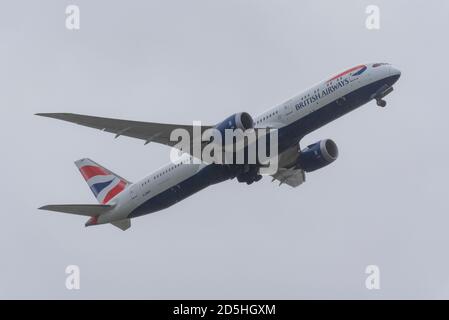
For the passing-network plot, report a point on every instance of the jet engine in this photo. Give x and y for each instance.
(240, 120)
(234, 141)
(317, 155)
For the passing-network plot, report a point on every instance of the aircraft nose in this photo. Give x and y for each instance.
(395, 74)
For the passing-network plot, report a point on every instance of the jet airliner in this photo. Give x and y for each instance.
(121, 200)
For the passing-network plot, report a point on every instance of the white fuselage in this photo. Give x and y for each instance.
(285, 114)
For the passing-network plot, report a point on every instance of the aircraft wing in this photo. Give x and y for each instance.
(287, 173)
(146, 131)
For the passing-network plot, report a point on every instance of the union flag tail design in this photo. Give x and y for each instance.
(105, 184)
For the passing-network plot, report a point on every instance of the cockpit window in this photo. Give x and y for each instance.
(379, 64)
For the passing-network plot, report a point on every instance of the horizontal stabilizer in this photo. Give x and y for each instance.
(79, 209)
(122, 224)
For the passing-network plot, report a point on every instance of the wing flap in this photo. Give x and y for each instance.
(292, 177)
(288, 173)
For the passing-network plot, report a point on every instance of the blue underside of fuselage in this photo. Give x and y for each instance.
(288, 137)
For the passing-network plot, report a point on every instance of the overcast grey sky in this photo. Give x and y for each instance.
(383, 202)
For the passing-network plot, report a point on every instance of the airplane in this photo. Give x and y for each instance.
(121, 200)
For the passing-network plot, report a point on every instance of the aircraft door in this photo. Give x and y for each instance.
(133, 192)
(288, 113)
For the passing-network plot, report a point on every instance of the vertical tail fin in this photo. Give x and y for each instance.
(104, 184)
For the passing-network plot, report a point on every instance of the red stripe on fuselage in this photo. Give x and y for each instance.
(346, 72)
(114, 191)
(92, 171)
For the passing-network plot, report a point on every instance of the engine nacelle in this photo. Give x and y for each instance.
(240, 120)
(318, 155)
